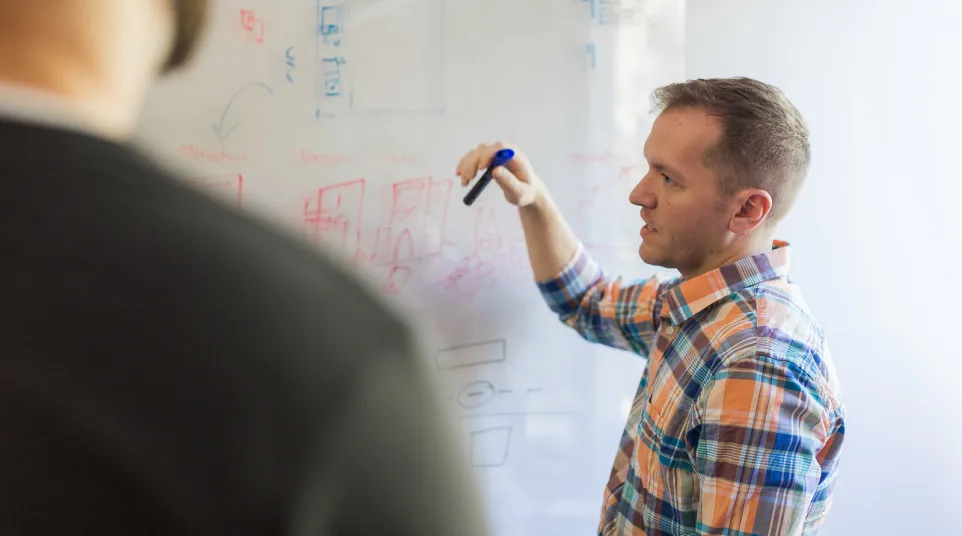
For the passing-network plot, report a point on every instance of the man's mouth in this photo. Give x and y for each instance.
(647, 229)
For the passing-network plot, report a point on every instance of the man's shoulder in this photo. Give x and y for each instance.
(770, 323)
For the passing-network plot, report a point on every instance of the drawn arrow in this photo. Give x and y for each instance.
(219, 127)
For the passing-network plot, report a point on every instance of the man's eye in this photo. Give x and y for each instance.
(667, 179)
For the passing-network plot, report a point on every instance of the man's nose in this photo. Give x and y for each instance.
(641, 195)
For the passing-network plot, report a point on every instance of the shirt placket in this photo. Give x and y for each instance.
(663, 341)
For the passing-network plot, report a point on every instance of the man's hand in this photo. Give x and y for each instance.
(517, 179)
(551, 243)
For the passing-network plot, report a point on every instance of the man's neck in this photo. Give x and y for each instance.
(71, 83)
(739, 250)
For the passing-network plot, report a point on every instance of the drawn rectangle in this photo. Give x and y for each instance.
(489, 447)
(395, 57)
(330, 23)
(470, 355)
(332, 87)
(334, 215)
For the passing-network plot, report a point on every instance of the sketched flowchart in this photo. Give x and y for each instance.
(491, 411)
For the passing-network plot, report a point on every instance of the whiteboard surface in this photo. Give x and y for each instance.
(342, 122)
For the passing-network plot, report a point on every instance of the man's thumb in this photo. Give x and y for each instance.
(508, 182)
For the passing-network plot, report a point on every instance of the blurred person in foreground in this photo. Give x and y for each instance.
(170, 366)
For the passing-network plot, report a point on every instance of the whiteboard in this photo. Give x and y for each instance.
(342, 121)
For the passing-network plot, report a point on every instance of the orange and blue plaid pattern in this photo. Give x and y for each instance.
(736, 427)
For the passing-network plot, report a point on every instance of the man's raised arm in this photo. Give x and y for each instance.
(601, 309)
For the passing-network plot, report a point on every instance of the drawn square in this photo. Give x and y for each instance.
(330, 21)
(331, 66)
(332, 87)
(489, 447)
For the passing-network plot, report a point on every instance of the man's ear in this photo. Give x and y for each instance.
(752, 209)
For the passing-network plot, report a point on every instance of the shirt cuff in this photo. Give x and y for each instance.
(565, 291)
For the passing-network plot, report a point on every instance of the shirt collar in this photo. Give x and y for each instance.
(688, 297)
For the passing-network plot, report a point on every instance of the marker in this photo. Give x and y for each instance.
(500, 158)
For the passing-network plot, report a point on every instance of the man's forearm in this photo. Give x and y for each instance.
(551, 242)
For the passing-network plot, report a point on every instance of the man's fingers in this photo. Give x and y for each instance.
(480, 159)
(461, 172)
(471, 163)
(513, 188)
(468, 167)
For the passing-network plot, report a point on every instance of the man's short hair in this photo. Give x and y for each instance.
(764, 143)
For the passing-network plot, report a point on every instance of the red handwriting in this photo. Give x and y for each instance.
(190, 151)
(231, 186)
(337, 159)
(252, 25)
(334, 215)
(332, 159)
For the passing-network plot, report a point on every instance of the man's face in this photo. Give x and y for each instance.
(686, 222)
(190, 17)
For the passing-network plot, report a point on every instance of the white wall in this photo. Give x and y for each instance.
(878, 231)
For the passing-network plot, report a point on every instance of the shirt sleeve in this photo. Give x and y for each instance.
(603, 309)
(760, 434)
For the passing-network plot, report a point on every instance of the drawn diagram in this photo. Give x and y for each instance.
(394, 66)
(219, 126)
(490, 446)
(408, 241)
(334, 215)
(228, 187)
(253, 26)
(470, 355)
(417, 221)
(477, 394)
(415, 228)
(490, 412)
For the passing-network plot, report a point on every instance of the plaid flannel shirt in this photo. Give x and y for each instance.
(736, 427)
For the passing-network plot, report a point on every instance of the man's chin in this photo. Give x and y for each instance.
(652, 257)
(647, 255)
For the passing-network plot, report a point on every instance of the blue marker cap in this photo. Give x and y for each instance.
(500, 158)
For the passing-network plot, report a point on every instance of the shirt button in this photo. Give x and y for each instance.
(670, 330)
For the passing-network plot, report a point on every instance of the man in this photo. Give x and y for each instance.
(170, 366)
(736, 426)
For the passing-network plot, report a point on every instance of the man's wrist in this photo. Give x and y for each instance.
(540, 203)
